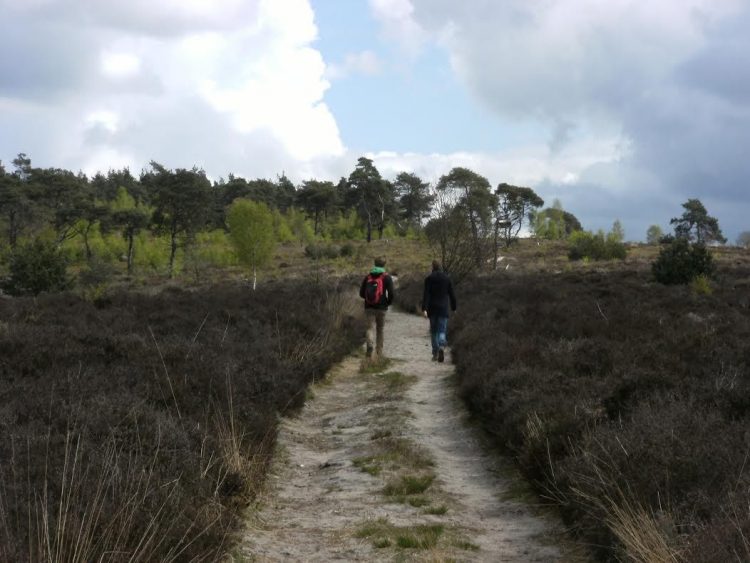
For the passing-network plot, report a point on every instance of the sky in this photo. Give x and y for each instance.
(621, 109)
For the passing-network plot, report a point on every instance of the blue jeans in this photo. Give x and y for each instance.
(438, 328)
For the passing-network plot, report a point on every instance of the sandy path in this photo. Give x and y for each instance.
(320, 503)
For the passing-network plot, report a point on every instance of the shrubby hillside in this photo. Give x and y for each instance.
(623, 400)
(136, 427)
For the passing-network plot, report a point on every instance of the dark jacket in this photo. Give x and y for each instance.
(387, 298)
(438, 295)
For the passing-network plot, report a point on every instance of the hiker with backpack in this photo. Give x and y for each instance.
(437, 302)
(377, 291)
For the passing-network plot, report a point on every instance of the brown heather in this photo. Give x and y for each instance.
(627, 403)
(138, 427)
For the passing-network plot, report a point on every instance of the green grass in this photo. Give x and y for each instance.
(371, 528)
(384, 534)
(374, 365)
(418, 501)
(400, 452)
(395, 381)
(423, 536)
(466, 545)
(409, 485)
(368, 464)
(436, 510)
(394, 454)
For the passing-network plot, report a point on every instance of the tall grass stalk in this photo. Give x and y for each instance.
(105, 525)
(644, 536)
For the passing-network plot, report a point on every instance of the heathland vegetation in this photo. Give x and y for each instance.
(161, 323)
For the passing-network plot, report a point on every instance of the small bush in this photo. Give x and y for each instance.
(585, 245)
(37, 267)
(98, 272)
(701, 285)
(347, 249)
(320, 251)
(681, 263)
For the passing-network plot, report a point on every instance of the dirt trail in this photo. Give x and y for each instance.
(361, 433)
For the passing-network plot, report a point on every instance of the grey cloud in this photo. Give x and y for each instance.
(41, 60)
(141, 17)
(685, 113)
(722, 67)
(561, 135)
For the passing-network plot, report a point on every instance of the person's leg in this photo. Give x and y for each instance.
(370, 317)
(434, 335)
(379, 325)
(442, 329)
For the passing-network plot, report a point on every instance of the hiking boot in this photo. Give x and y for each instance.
(434, 357)
(441, 355)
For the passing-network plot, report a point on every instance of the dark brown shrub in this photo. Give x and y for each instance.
(147, 421)
(625, 401)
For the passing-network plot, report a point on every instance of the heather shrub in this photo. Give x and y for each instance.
(142, 425)
(681, 262)
(625, 402)
(37, 267)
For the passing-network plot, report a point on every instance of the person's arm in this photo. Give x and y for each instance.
(362, 288)
(426, 295)
(389, 289)
(451, 295)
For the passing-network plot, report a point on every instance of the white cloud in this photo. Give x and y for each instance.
(365, 62)
(530, 165)
(230, 85)
(399, 24)
(120, 65)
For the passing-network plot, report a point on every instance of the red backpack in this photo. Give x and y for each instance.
(374, 288)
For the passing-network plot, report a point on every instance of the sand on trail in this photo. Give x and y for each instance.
(318, 500)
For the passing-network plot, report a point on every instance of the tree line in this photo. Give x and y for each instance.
(178, 204)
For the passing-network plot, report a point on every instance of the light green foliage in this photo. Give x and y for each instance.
(585, 245)
(281, 227)
(554, 223)
(130, 217)
(152, 252)
(182, 201)
(211, 249)
(300, 227)
(214, 248)
(123, 201)
(701, 285)
(654, 234)
(109, 247)
(347, 226)
(617, 234)
(251, 232)
(390, 231)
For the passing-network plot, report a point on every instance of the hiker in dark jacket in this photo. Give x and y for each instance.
(437, 302)
(377, 291)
